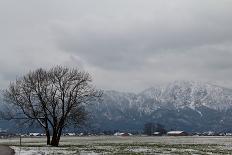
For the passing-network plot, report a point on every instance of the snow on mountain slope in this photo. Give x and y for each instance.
(181, 104)
(194, 94)
(179, 94)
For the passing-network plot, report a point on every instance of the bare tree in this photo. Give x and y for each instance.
(54, 99)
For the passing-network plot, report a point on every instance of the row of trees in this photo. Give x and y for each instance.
(53, 99)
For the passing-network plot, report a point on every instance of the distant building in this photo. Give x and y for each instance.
(126, 134)
(228, 134)
(117, 134)
(157, 134)
(177, 133)
(69, 134)
(34, 134)
(210, 133)
(122, 134)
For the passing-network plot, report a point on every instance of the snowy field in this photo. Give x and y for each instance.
(133, 145)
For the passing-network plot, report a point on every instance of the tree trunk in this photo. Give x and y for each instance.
(55, 139)
(48, 137)
(59, 134)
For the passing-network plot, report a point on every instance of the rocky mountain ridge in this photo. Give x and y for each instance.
(188, 105)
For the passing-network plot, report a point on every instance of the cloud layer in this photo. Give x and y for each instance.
(126, 45)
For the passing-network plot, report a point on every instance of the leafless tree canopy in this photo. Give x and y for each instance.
(53, 98)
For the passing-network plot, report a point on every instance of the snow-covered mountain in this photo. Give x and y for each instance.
(182, 94)
(187, 105)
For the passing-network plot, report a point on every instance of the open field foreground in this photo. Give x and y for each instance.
(133, 145)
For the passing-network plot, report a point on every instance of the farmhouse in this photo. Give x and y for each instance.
(157, 134)
(69, 134)
(34, 134)
(177, 133)
(122, 134)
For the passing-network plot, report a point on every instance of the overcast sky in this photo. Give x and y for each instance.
(126, 45)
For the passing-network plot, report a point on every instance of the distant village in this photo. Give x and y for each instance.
(5, 134)
(155, 130)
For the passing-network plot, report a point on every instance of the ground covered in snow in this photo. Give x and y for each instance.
(133, 145)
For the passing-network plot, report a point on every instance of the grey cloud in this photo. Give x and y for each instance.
(134, 43)
(125, 44)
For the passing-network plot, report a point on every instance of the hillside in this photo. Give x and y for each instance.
(185, 105)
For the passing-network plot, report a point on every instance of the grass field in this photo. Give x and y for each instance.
(133, 145)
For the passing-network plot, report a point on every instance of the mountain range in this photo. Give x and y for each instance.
(180, 105)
